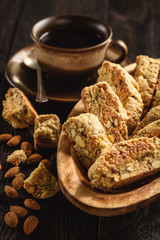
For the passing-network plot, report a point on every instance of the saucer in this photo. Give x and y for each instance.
(24, 78)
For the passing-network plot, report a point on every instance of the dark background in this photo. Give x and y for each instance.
(138, 24)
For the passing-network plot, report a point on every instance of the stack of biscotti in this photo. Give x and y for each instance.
(124, 105)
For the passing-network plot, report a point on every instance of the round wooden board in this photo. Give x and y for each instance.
(75, 184)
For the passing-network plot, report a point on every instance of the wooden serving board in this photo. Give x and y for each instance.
(75, 184)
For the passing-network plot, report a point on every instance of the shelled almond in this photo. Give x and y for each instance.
(14, 141)
(30, 224)
(5, 137)
(11, 219)
(19, 211)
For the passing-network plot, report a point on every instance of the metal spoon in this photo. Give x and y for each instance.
(31, 62)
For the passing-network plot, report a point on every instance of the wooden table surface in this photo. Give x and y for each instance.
(138, 24)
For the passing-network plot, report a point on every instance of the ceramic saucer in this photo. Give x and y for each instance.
(24, 78)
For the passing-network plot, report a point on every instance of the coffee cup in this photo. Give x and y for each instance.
(72, 47)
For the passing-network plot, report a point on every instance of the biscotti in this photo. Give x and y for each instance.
(88, 137)
(99, 99)
(126, 88)
(17, 157)
(156, 98)
(46, 131)
(146, 75)
(17, 109)
(150, 130)
(41, 183)
(151, 116)
(125, 162)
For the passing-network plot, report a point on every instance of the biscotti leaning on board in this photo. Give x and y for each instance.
(88, 137)
(46, 131)
(126, 88)
(125, 162)
(146, 75)
(99, 99)
(17, 109)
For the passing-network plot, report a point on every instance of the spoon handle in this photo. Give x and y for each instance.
(41, 95)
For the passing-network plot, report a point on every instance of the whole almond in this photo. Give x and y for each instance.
(27, 148)
(32, 204)
(17, 182)
(34, 158)
(5, 137)
(30, 224)
(10, 192)
(14, 141)
(11, 219)
(19, 211)
(46, 163)
(11, 172)
(0, 167)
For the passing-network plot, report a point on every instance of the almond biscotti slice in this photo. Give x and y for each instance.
(125, 162)
(46, 131)
(156, 98)
(17, 109)
(99, 99)
(41, 183)
(151, 116)
(88, 137)
(150, 130)
(146, 75)
(126, 88)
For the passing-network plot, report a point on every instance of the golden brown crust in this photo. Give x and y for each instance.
(146, 75)
(88, 137)
(151, 116)
(150, 130)
(17, 109)
(125, 162)
(41, 183)
(99, 99)
(126, 88)
(47, 130)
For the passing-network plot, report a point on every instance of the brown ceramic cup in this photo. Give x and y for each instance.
(76, 63)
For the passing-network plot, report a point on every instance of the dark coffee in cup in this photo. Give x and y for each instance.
(72, 38)
(71, 47)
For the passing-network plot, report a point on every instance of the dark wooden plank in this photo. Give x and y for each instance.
(137, 23)
(140, 225)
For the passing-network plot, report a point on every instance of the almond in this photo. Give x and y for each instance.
(0, 167)
(19, 211)
(34, 158)
(18, 181)
(11, 192)
(11, 172)
(46, 163)
(11, 219)
(30, 224)
(5, 137)
(14, 141)
(32, 204)
(27, 148)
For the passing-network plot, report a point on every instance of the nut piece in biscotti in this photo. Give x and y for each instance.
(125, 162)
(17, 157)
(46, 133)
(99, 99)
(150, 130)
(126, 88)
(151, 116)
(41, 183)
(146, 75)
(17, 109)
(88, 137)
